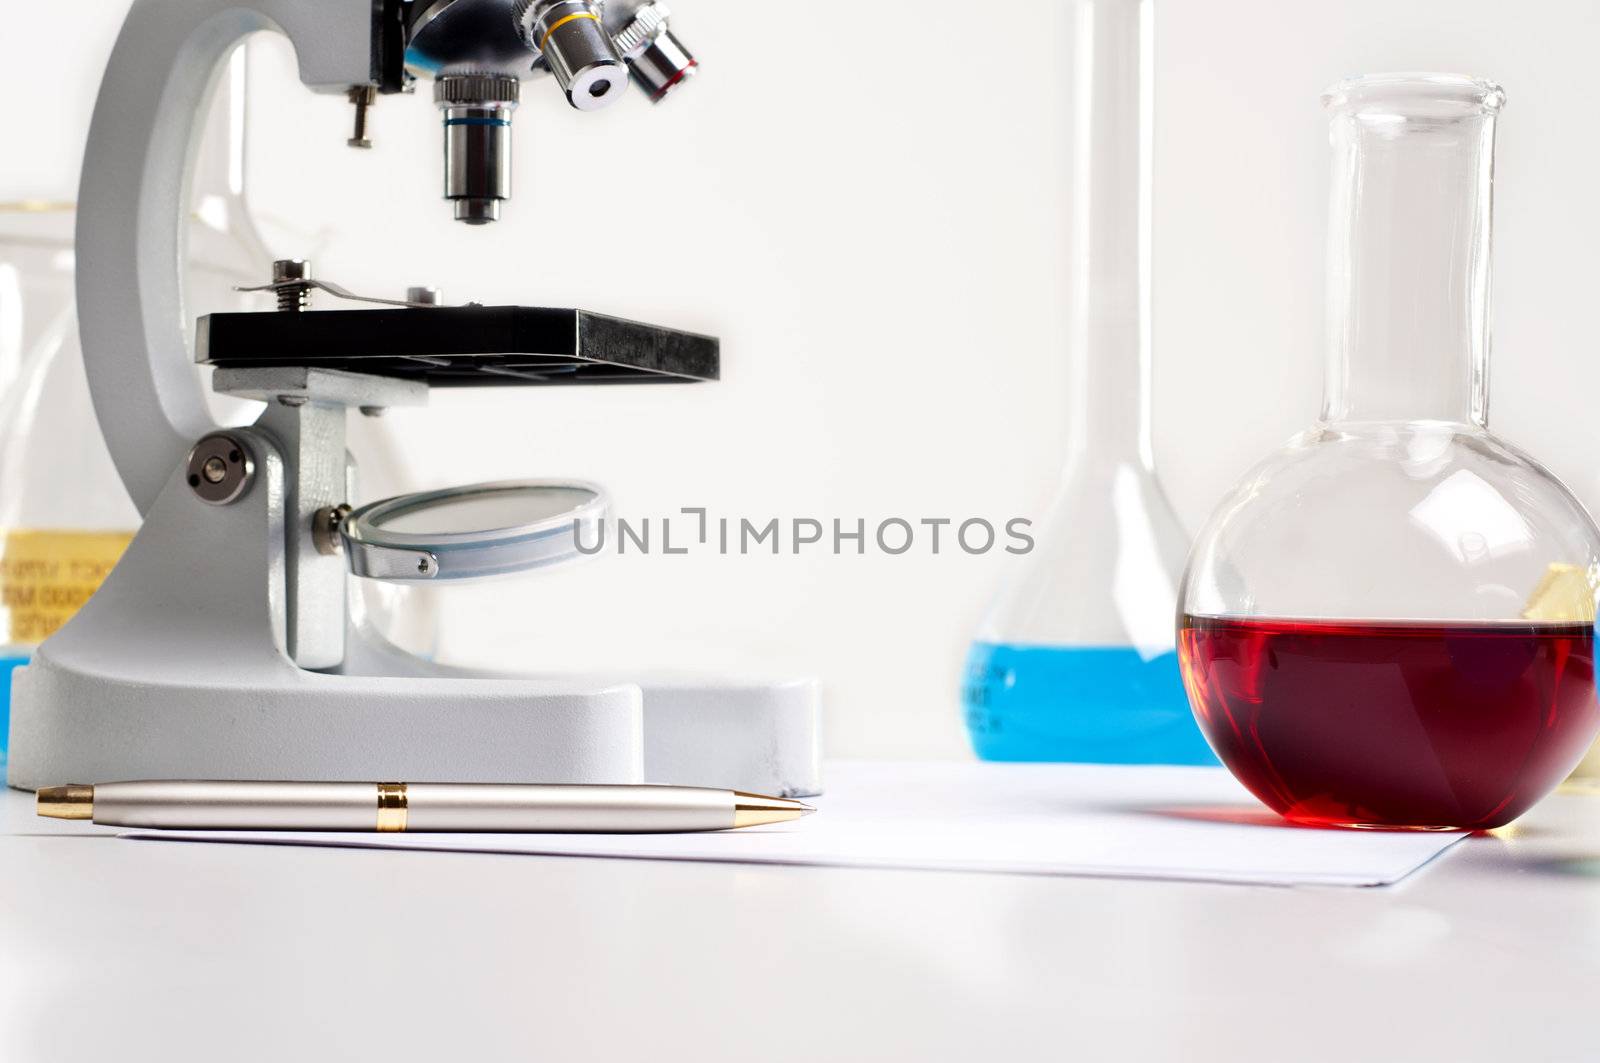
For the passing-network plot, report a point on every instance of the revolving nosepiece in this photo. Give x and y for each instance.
(477, 142)
(573, 40)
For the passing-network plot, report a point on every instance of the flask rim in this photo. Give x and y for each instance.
(1415, 95)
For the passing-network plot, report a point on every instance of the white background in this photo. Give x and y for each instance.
(871, 212)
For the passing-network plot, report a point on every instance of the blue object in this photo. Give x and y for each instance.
(1092, 704)
(7, 664)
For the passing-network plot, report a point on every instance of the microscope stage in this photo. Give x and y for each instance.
(462, 346)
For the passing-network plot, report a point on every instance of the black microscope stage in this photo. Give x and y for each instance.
(462, 346)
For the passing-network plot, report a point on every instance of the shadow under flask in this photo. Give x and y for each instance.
(1390, 621)
(1076, 661)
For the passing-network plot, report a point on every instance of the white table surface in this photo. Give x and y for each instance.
(131, 950)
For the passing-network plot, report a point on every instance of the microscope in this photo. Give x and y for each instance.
(227, 643)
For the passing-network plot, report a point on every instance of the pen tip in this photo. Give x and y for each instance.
(755, 810)
(66, 802)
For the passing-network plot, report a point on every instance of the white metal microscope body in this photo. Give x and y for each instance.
(223, 645)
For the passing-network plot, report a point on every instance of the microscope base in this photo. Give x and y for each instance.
(90, 720)
(81, 722)
(752, 734)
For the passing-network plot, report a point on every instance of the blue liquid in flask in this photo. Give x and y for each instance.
(1082, 704)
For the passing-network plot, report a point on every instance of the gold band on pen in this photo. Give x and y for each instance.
(391, 807)
(562, 22)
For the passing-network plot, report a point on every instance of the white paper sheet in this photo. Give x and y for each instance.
(1048, 819)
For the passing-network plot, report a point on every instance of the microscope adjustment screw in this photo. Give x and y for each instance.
(289, 277)
(363, 97)
(220, 469)
(325, 525)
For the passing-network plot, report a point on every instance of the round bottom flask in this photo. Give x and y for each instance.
(1389, 623)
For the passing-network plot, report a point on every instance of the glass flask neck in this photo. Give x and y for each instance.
(1408, 249)
(1108, 375)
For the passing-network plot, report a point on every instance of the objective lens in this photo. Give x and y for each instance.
(576, 47)
(477, 142)
(662, 65)
(659, 61)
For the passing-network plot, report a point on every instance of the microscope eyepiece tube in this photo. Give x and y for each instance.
(577, 48)
(477, 142)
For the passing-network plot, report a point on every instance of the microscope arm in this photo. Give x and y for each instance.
(134, 196)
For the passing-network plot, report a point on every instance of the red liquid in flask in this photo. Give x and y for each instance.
(1422, 725)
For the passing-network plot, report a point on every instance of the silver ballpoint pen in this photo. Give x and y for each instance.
(490, 808)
